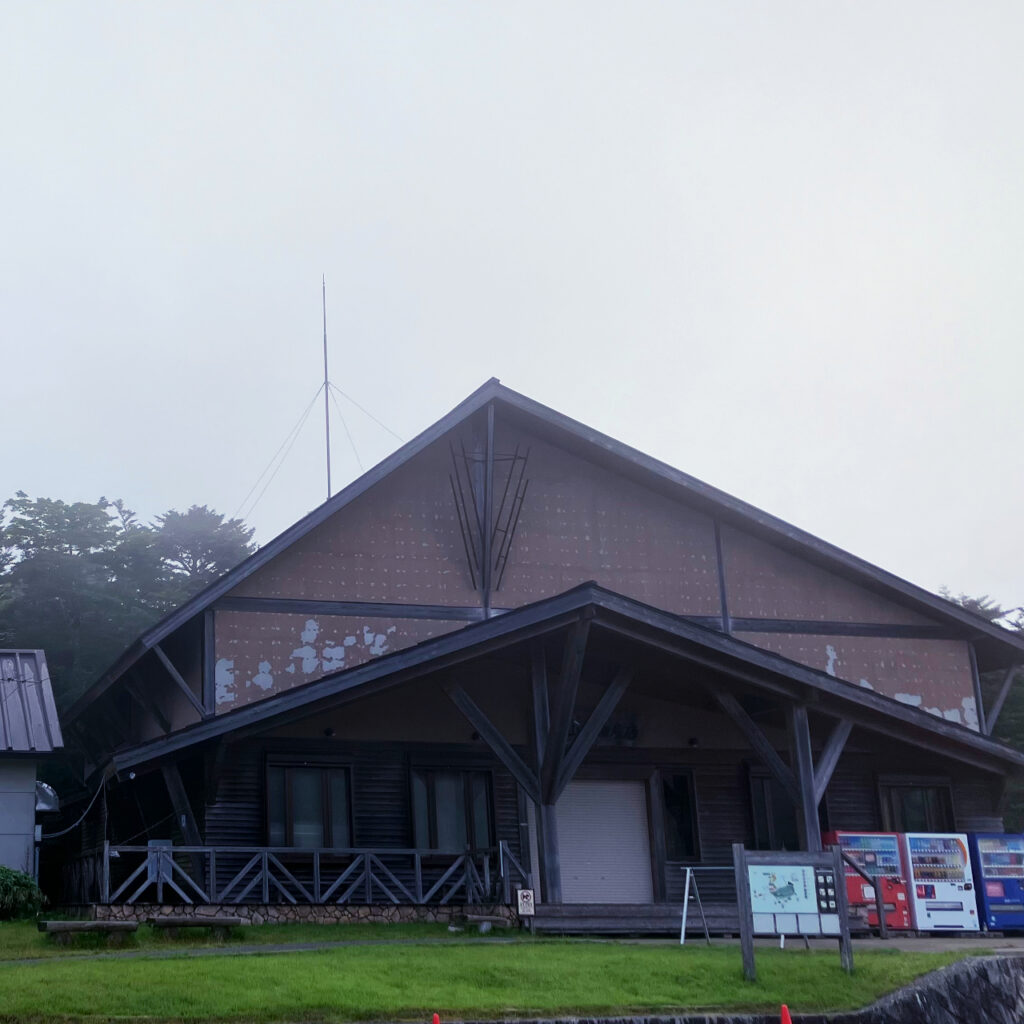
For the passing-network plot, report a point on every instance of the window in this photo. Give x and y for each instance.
(775, 826)
(308, 806)
(680, 817)
(916, 805)
(451, 809)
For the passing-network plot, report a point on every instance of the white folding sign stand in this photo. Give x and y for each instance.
(691, 880)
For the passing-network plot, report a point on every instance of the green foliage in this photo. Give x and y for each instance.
(82, 580)
(19, 896)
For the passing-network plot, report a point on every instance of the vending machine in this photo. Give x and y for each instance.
(878, 854)
(941, 882)
(998, 863)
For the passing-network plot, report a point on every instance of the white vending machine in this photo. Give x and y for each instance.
(941, 882)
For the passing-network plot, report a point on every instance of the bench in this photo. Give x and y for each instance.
(219, 926)
(64, 931)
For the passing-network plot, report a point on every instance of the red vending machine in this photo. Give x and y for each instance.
(879, 855)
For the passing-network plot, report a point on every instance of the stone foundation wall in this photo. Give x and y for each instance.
(314, 913)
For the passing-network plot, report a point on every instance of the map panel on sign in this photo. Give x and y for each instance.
(782, 889)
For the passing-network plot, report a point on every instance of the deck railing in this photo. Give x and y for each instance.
(267, 874)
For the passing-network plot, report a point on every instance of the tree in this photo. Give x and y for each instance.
(199, 545)
(82, 580)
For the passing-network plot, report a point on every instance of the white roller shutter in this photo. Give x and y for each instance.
(604, 843)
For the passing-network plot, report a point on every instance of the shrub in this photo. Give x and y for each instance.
(19, 895)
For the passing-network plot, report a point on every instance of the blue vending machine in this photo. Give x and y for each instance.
(999, 877)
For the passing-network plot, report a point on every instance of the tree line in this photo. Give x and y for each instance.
(81, 580)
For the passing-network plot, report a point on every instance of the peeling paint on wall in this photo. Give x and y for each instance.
(260, 654)
(933, 675)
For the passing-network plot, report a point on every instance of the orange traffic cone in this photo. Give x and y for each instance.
(786, 1019)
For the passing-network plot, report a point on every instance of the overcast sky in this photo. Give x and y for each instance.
(777, 245)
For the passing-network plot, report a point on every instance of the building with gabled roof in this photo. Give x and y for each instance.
(29, 733)
(519, 653)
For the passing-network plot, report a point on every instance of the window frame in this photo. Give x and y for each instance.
(942, 784)
(467, 771)
(325, 765)
(659, 779)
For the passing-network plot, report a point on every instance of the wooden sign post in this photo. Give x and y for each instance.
(791, 893)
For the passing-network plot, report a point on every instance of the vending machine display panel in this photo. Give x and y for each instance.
(998, 862)
(941, 882)
(879, 855)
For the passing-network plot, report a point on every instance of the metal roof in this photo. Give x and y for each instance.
(28, 714)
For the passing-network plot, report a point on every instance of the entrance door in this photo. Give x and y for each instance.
(604, 842)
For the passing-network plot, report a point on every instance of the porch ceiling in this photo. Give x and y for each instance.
(624, 631)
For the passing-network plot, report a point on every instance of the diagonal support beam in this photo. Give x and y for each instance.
(177, 677)
(757, 739)
(492, 737)
(562, 705)
(589, 733)
(830, 758)
(1004, 691)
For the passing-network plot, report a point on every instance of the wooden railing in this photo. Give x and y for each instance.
(242, 874)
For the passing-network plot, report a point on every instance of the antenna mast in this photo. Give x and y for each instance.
(327, 406)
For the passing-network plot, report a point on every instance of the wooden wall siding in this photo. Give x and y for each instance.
(398, 542)
(933, 675)
(852, 797)
(580, 522)
(260, 654)
(381, 791)
(763, 581)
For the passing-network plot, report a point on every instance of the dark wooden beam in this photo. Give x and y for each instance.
(830, 757)
(756, 738)
(489, 733)
(180, 681)
(820, 627)
(563, 704)
(588, 734)
(803, 762)
(541, 708)
(487, 537)
(186, 819)
(997, 707)
(362, 609)
(976, 680)
(722, 596)
(209, 662)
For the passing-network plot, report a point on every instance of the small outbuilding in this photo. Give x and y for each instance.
(29, 732)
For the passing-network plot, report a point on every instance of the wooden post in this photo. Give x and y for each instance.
(550, 866)
(803, 762)
(739, 861)
(105, 877)
(845, 948)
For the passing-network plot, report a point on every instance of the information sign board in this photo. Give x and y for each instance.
(791, 893)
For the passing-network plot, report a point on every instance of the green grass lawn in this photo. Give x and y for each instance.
(22, 939)
(474, 979)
